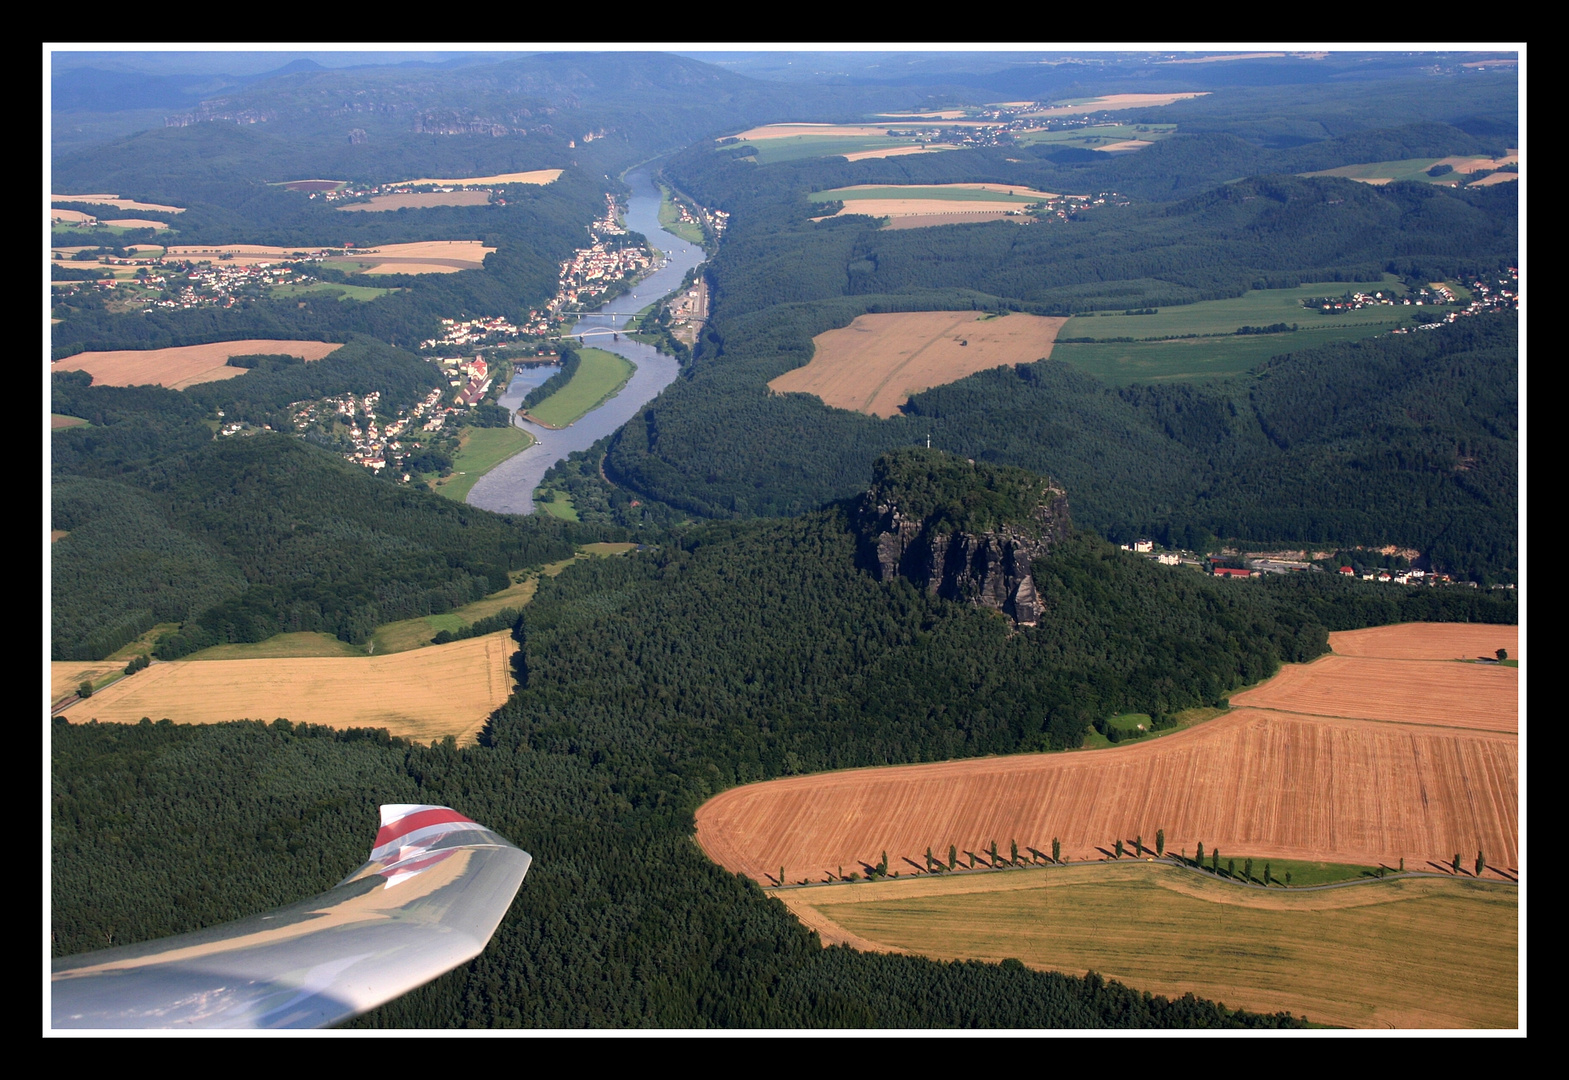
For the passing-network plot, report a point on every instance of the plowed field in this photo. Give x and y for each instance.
(876, 363)
(1263, 782)
(434, 692)
(184, 365)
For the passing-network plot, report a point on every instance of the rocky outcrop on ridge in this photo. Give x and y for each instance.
(964, 531)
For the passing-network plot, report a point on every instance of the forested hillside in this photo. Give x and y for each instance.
(746, 651)
(244, 537)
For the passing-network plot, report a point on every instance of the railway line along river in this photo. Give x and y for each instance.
(509, 487)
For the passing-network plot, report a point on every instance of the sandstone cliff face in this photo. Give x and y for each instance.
(989, 567)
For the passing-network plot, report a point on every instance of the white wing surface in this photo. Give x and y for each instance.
(429, 898)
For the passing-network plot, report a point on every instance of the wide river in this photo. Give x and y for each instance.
(509, 487)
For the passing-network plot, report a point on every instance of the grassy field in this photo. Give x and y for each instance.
(1129, 722)
(1119, 363)
(1407, 169)
(343, 292)
(1256, 307)
(558, 505)
(479, 451)
(1411, 953)
(599, 376)
(416, 633)
(280, 646)
(1092, 138)
(670, 219)
(58, 422)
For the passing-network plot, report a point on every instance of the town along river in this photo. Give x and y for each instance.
(509, 487)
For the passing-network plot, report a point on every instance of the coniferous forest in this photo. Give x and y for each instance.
(749, 635)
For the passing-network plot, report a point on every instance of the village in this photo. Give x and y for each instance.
(1257, 564)
(1500, 293)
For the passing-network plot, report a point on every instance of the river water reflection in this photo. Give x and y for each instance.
(509, 487)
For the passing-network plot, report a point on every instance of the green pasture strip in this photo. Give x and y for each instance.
(279, 646)
(142, 645)
(344, 292)
(943, 194)
(75, 421)
(1092, 137)
(1302, 873)
(670, 218)
(1403, 953)
(1405, 169)
(482, 449)
(559, 505)
(599, 376)
(1198, 358)
(1256, 307)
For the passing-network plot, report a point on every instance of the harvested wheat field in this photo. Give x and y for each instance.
(429, 694)
(533, 176)
(950, 217)
(1405, 953)
(1114, 101)
(1428, 641)
(185, 365)
(1440, 692)
(898, 151)
(1292, 785)
(913, 210)
(70, 215)
(876, 363)
(66, 675)
(137, 223)
(118, 203)
(423, 257)
(417, 199)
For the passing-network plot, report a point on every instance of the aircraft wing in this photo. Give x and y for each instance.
(428, 899)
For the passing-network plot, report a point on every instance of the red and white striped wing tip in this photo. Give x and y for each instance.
(319, 961)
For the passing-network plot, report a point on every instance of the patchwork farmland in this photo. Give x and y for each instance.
(876, 363)
(1289, 784)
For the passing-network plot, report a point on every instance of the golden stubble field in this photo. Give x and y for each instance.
(532, 176)
(118, 203)
(1256, 781)
(1404, 953)
(185, 365)
(429, 694)
(876, 363)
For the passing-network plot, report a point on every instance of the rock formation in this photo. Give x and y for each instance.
(965, 531)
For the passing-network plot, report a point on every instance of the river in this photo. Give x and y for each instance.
(509, 487)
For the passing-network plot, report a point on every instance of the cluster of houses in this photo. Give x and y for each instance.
(217, 284)
(1500, 293)
(478, 376)
(488, 330)
(591, 271)
(374, 445)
